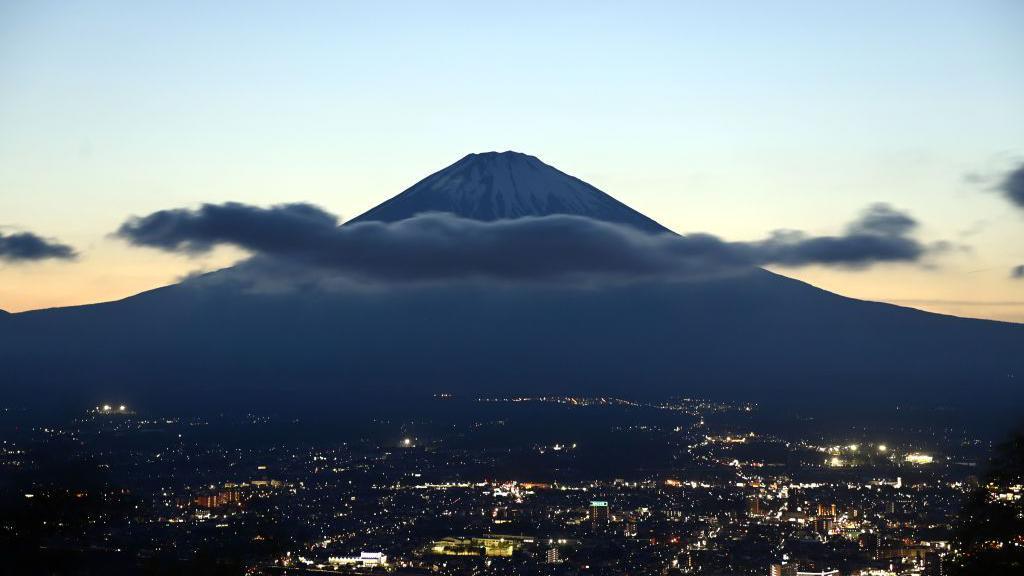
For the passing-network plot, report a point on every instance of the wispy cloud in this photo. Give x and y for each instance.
(1009, 184)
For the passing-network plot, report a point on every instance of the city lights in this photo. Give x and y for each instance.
(367, 500)
(918, 458)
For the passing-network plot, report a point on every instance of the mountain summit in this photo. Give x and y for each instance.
(502, 185)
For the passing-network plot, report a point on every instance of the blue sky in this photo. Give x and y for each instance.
(735, 118)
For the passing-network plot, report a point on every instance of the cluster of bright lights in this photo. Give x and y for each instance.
(852, 448)
(918, 458)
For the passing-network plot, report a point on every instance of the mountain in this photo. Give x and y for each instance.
(501, 185)
(206, 344)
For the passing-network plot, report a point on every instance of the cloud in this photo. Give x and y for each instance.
(29, 247)
(976, 178)
(281, 227)
(1012, 186)
(974, 229)
(1017, 272)
(880, 234)
(287, 239)
(882, 220)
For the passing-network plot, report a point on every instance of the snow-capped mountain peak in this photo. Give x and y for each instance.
(502, 185)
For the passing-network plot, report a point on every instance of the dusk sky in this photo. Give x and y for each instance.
(735, 119)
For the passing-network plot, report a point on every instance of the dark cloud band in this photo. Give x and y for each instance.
(282, 227)
(440, 247)
(29, 247)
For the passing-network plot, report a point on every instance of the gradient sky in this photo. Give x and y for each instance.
(735, 119)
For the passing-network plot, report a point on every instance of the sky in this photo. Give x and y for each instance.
(733, 118)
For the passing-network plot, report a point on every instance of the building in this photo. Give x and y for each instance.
(218, 499)
(786, 569)
(933, 564)
(754, 506)
(629, 527)
(206, 501)
(599, 514)
(782, 570)
(491, 546)
(552, 556)
(364, 560)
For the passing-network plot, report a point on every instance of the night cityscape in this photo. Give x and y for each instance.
(453, 288)
(544, 485)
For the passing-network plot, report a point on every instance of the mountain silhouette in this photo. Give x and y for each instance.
(207, 344)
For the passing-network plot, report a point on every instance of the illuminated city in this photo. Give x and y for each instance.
(606, 486)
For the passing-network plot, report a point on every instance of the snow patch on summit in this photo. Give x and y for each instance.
(504, 185)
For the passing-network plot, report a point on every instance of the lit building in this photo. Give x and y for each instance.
(782, 570)
(754, 506)
(599, 514)
(918, 458)
(490, 546)
(364, 560)
(207, 501)
(552, 556)
(629, 527)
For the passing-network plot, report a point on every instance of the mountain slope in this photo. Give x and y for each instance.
(500, 185)
(759, 337)
(754, 336)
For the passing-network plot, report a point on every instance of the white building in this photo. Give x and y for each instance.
(365, 559)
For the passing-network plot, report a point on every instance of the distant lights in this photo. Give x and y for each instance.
(106, 407)
(882, 448)
(918, 458)
(407, 442)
